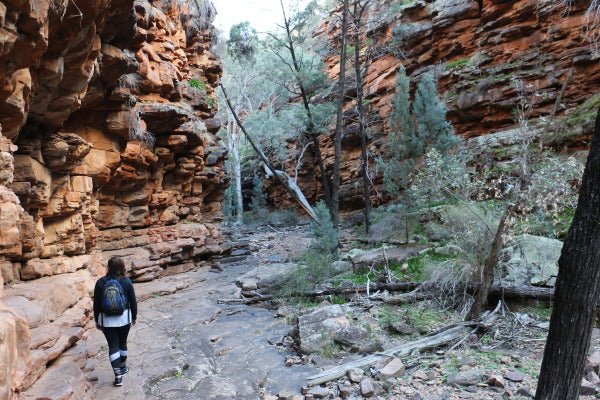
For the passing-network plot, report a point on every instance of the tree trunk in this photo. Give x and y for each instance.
(361, 115)
(577, 290)
(237, 172)
(317, 153)
(339, 124)
(488, 270)
(281, 177)
(233, 149)
(238, 185)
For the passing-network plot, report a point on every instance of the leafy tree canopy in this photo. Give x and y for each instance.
(242, 42)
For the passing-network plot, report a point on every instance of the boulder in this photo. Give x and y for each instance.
(376, 257)
(98, 163)
(514, 376)
(64, 379)
(466, 378)
(392, 369)
(367, 389)
(391, 229)
(531, 260)
(355, 375)
(14, 351)
(64, 236)
(351, 336)
(267, 275)
(8, 354)
(6, 161)
(318, 328)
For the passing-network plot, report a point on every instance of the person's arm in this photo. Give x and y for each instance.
(97, 300)
(130, 292)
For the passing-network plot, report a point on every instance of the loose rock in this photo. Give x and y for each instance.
(466, 378)
(355, 375)
(515, 376)
(366, 388)
(392, 369)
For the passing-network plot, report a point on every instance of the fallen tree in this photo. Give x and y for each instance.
(419, 291)
(281, 176)
(442, 337)
(505, 291)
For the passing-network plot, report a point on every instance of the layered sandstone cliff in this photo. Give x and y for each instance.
(479, 50)
(107, 147)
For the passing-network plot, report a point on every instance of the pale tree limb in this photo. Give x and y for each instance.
(283, 178)
(299, 163)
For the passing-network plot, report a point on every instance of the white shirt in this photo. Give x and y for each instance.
(115, 321)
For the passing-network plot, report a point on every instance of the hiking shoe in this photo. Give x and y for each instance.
(118, 380)
(124, 370)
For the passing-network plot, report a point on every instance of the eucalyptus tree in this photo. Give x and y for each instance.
(305, 79)
(251, 90)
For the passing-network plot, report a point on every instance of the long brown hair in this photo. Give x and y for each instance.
(116, 266)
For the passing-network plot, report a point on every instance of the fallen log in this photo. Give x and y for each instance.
(427, 342)
(497, 291)
(441, 337)
(245, 301)
(505, 291)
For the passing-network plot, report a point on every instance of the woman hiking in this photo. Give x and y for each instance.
(115, 311)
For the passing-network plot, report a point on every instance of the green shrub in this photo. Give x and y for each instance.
(197, 84)
(313, 269)
(286, 217)
(461, 62)
(441, 179)
(325, 238)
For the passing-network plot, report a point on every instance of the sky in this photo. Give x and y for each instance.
(263, 15)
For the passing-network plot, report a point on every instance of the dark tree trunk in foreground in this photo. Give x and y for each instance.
(339, 124)
(577, 290)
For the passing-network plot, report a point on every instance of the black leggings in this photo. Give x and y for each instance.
(117, 346)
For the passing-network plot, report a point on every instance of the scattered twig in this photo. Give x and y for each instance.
(273, 229)
(387, 265)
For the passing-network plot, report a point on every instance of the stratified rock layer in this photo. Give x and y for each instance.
(103, 151)
(489, 57)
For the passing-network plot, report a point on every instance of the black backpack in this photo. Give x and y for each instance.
(114, 301)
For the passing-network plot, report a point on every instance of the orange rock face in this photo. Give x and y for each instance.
(478, 51)
(103, 151)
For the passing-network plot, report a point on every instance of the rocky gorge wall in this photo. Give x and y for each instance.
(478, 49)
(108, 147)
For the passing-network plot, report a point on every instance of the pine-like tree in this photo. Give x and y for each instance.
(412, 135)
(430, 113)
(404, 145)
